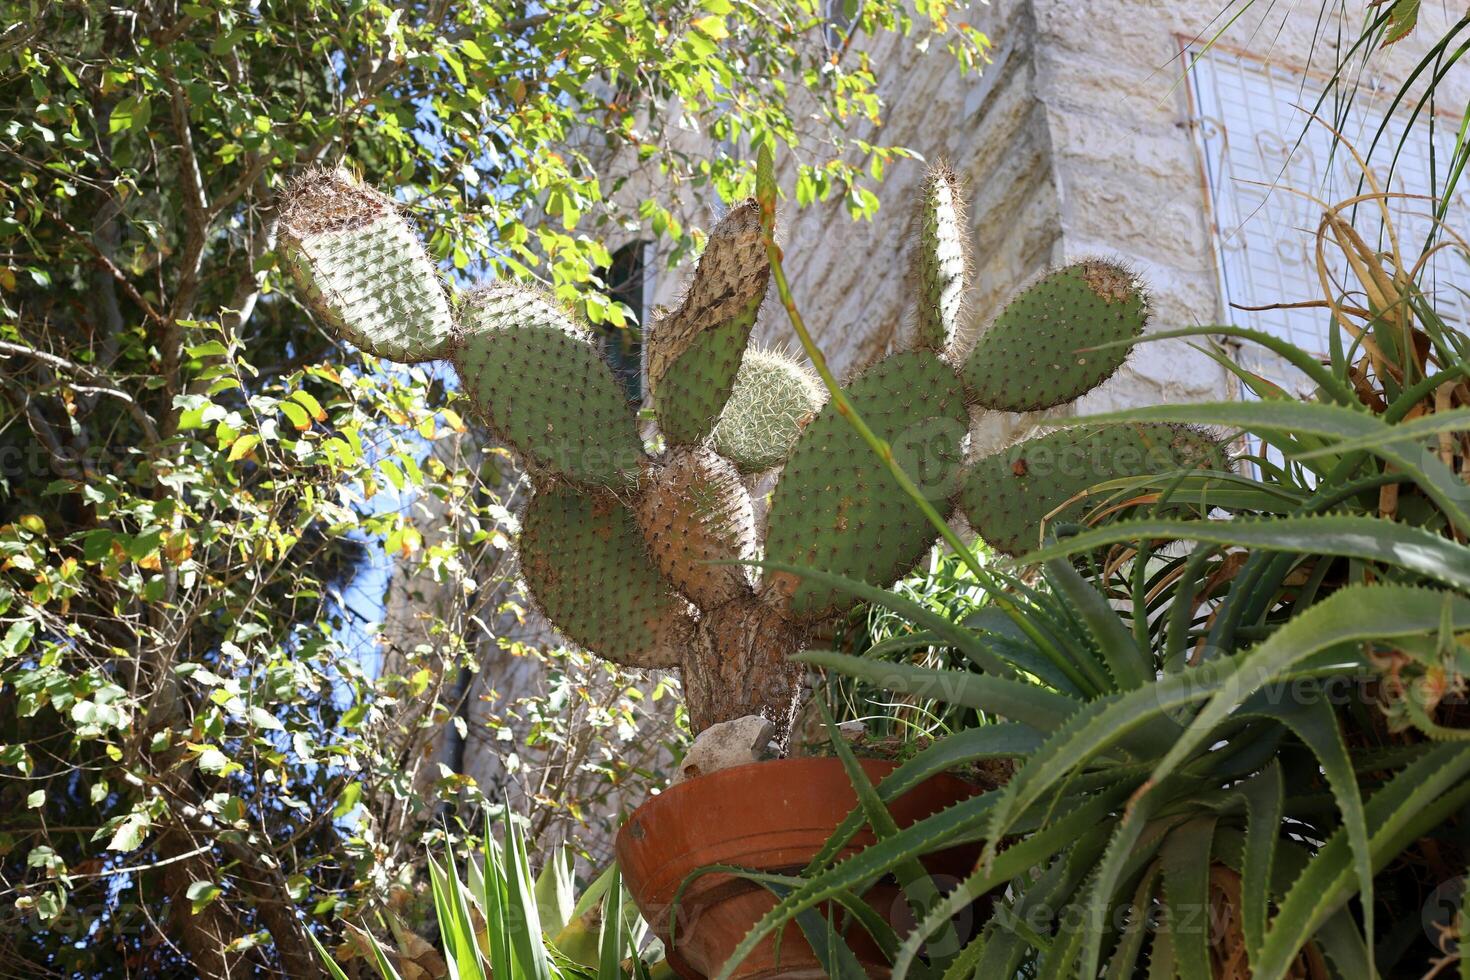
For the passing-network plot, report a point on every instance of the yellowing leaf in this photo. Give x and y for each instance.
(311, 404)
(243, 446)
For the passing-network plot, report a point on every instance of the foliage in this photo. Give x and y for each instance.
(504, 921)
(193, 750)
(1239, 734)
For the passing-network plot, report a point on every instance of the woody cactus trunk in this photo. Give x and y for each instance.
(644, 556)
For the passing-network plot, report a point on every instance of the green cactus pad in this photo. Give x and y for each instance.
(1031, 357)
(694, 510)
(1007, 496)
(694, 353)
(774, 396)
(362, 269)
(939, 270)
(838, 508)
(583, 559)
(543, 388)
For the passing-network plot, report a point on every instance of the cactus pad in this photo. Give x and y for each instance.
(362, 269)
(939, 268)
(694, 353)
(583, 558)
(1030, 358)
(1009, 495)
(543, 387)
(774, 396)
(837, 508)
(694, 510)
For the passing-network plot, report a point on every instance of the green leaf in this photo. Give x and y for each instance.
(1185, 858)
(201, 893)
(1349, 536)
(347, 799)
(130, 833)
(1019, 701)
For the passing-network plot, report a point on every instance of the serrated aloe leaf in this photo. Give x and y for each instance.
(1344, 535)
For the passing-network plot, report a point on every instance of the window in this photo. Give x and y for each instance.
(1247, 129)
(623, 346)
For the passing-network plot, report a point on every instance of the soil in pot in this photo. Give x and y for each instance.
(768, 816)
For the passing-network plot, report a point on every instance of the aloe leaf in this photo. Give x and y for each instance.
(1013, 699)
(1129, 666)
(914, 612)
(1351, 536)
(1071, 824)
(1123, 963)
(1315, 723)
(1185, 859)
(832, 952)
(1001, 741)
(917, 886)
(1333, 422)
(1415, 800)
(1355, 614)
(1264, 796)
(947, 827)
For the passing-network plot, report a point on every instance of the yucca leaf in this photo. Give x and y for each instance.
(1013, 699)
(385, 967)
(333, 970)
(455, 928)
(1344, 535)
(1333, 422)
(527, 950)
(1416, 799)
(556, 891)
(614, 930)
(1185, 859)
(497, 910)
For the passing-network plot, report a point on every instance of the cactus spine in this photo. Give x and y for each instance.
(639, 558)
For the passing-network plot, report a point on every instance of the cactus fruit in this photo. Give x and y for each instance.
(939, 270)
(362, 269)
(775, 396)
(1033, 356)
(694, 353)
(640, 558)
(1011, 497)
(543, 387)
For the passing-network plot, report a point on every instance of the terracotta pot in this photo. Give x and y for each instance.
(769, 816)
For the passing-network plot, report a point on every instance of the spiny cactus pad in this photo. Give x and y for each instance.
(1007, 496)
(774, 396)
(694, 510)
(939, 267)
(1030, 358)
(543, 387)
(837, 508)
(582, 557)
(362, 269)
(694, 352)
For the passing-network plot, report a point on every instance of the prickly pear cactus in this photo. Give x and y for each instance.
(646, 559)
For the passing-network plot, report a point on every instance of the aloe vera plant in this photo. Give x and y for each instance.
(1236, 713)
(503, 921)
(644, 556)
